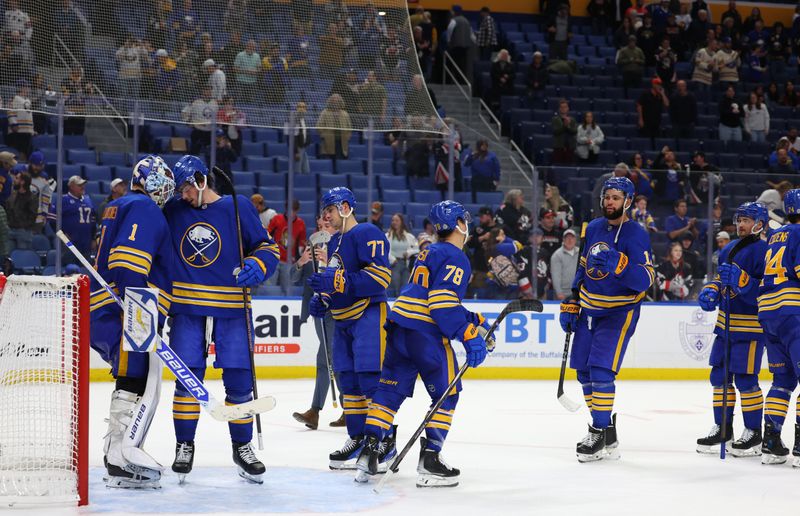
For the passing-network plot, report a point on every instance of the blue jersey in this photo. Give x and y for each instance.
(77, 220)
(779, 292)
(363, 254)
(431, 301)
(135, 250)
(744, 305)
(207, 252)
(604, 293)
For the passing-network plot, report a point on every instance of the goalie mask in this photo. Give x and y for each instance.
(152, 175)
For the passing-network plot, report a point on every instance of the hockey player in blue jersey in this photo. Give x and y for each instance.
(740, 271)
(353, 287)
(779, 315)
(208, 303)
(613, 274)
(426, 316)
(134, 250)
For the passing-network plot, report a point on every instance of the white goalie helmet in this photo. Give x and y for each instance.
(154, 176)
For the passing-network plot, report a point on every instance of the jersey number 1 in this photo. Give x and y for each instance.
(132, 238)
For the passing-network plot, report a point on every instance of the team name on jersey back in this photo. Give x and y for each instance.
(779, 291)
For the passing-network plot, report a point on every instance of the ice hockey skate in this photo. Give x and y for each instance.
(432, 470)
(772, 449)
(592, 447)
(748, 445)
(375, 456)
(184, 459)
(250, 468)
(612, 444)
(710, 443)
(345, 458)
(796, 449)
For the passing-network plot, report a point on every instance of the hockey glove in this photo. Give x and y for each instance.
(474, 345)
(253, 273)
(570, 309)
(708, 299)
(328, 281)
(318, 306)
(733, 277)
(483, 330)
(609, 261)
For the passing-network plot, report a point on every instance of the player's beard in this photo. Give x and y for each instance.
(614, 215)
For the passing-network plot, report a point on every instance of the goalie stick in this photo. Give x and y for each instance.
(519, 305)
(321, 238)
(193, 385)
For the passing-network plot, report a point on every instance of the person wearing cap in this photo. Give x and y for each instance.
(130, 57)
(631, 60)
(168, 77)
(376, 214)
(477, 246)
(485, 167)
(757, 62)
(77, 218)
(563, 264)
(198, 114)
(118, 188)
(216, 80)
(42, 184)
(723, 238)
(427, 231)
(728, 62)
(20, 120)
(538, 76)
(650, 106)
(21, 209)
(7, 162)
(551, 235)
(265, 213)
(487, 34)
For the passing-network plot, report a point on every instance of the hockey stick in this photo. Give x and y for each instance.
(174, 363)
(322, 238)
(565, 401)
(248, 316)
(725, 368)
(519, 305)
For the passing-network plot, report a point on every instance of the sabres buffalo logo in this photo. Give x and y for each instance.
(200, 245)
(591, 272)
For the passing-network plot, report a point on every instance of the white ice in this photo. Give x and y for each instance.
(514, 444)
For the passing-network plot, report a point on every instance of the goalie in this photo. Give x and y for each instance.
(134, 250)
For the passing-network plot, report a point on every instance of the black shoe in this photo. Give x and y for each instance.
(432, 470)
(748, 445)
(184, 459)
(345, 458)
(250, 468)
(593, 445)
(710, 443)
(772, 449)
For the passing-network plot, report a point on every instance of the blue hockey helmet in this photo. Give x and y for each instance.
(791, 202)
(186, 168)
(338, 195)
(444, 215)
(753, 210)
(154, 176)
(623, 184)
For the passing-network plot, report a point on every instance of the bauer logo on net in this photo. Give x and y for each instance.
(697, 335)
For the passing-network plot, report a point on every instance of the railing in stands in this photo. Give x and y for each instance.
(446, 72)
(58, 47)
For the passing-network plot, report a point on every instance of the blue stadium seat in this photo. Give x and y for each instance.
(81, 156)
(349, 166)
(427, 196)
(358, 152)
(50, 257)
(321, 166)
(256, 164)
(160, 130)
(266, 135)
(402, 196)
(119, 159)
(41, 244)
(418, 208)
(72, 170)
(326, 182)
(50, 270)
(244, 179)
(359, 182)
(381, 152)
(390, 208)
(253, 149)
(93, 187)
(44, 140)
(392, 182)
(728, 161)
(97, 173)
(272, 181)
(305, 181)
(489, 198)
(26, 261)
(182, 131)
(276, 149)
(75, 141)
(274, 198)
(386, 167)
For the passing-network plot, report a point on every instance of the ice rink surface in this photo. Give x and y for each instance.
(514, 444)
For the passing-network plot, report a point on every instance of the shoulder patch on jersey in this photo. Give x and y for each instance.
(200, 245)
(110, 213)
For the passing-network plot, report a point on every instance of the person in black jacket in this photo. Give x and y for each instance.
(683, 111)
(730, 116)
(514, 217)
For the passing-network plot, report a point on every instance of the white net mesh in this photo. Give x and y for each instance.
(39, 390)
(182, 61)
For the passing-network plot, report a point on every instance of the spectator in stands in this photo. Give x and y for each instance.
(22, 208)
(368, 39)
(331, 50)
(701, 175)
(631, 61)
(22, 53)
(78, 218)
(226, 155)
(783, 167)
(636, 12)
(649, 107)
(16, 19)
(563, 264)
(665, 64)
(199, 115)
(74, 89)
(730, 116)
(705, 64)
(231, 120)
(418, 99)
(698, 29)
(670, 177)
(7, 163)
(559, 33)
(641, 179)
(373, 99)
(279, 229)
(186, 60)
(216, 80)
(158, 27)
(418, 149)
(185, 21)
(72, 28)
(722, 239)
(734, 15)
(376, 214)
(758, 33)
(20, 120)
(429, 232)
(265, 213)
(678, 224)
(502, 73)
(130, 58)
(749, 24)
(773, 96)
(565, 129)
(298, 52)
(487, 34)
(784, 143)
(692, 256)
(486, 223)
(422, 47)
(647, 40)
(302, 139)
(551, 234)
(794, 141)
(602, 15)
(118, 188)
(623, 33)
(227, 54)
(757, 61)
(790, 97)
(728, 63)
(565, 216)
(589, 139)
(274, 75)
(514, 216)
(503, 276)
(236, 15)
(402, 247)
(40, 182)
(248, 68)
(674, 275)
(346, 86)
(334, 129)
(683, 112)
(620, 170)
(772, 198)
(459, 38)
(538, 75)
(728, 30)
(5, 247)
(485, 168)
(756, 119)
(168, 78)
(641, 216)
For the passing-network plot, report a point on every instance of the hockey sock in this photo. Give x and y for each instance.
(438, 427)
(382, 410)
(239, 389)
(354, 403)
(603, 392)
(586, 384)
(717, 403)
(752, 400)
(777, 402)
(186, 410)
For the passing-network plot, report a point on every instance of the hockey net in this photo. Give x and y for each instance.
(44, 340)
